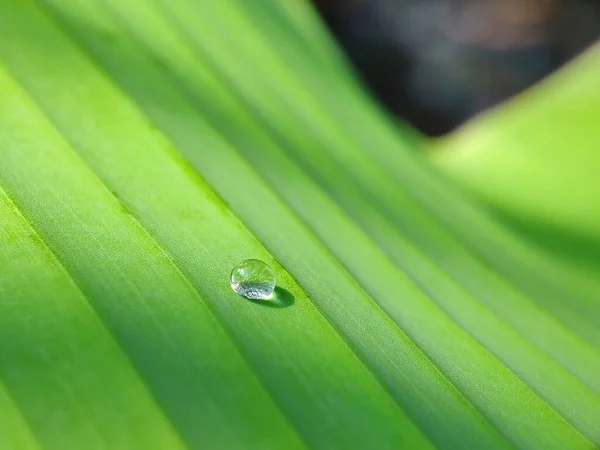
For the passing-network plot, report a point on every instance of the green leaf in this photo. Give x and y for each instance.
(535, 160)
(148, 147)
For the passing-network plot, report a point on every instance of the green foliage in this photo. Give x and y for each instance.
(536, 160)
(148, 147)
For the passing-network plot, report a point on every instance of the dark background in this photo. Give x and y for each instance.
(436, 63)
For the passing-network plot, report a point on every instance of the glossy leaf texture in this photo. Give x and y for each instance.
(147, 147)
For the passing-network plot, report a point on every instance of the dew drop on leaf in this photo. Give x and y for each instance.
(253, 279)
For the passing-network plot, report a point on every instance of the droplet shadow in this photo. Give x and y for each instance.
(282, 298)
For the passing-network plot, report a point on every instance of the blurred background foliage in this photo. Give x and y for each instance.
(439, 63)
(436, 63)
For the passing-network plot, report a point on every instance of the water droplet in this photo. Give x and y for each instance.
(253, 279)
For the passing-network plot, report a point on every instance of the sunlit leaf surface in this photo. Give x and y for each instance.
(146, 148)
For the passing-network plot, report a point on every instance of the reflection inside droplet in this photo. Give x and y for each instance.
(253, 279)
